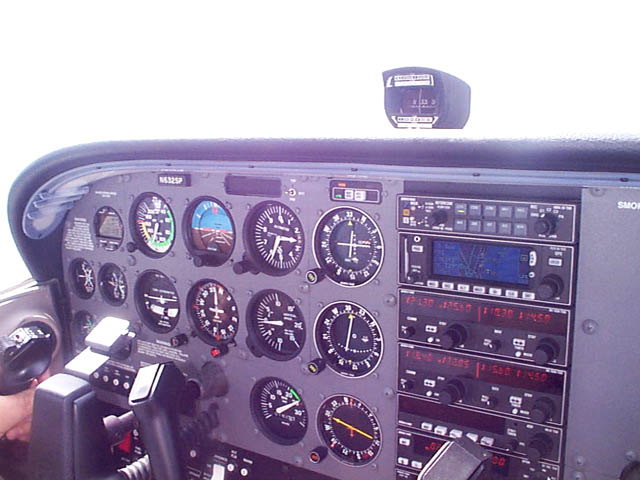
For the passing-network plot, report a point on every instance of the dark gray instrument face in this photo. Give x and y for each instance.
(348, 246)
(157, 301)
(349, 339)
(279, 411)
(113, 284)
(83, 278)
(274, 238)
(153, 225)
(214, 312)
(108, 228)
(349, 429)
(276, 324)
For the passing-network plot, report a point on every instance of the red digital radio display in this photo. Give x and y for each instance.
(495, 372)
(499, 315)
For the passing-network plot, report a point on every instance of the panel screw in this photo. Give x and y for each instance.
(578, 476)
(630, 455)
(390, 300)
(580, 461)
(589, 327)
(597, 192)
(304, 287)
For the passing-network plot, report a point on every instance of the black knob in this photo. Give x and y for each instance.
(244, 266)
(551, 286)
(413, 276)
(452, 392)
(631, 472)
(546, 224)
(546, 351)
(492, 402)
(438, 217)
(179, 340)
(407, 331)
(543, 409)
(494, 345)
(539, 446)
(407, 384)
(454, 335)
(318, 454)
(316, 365)
(315, 275)
(512, 445)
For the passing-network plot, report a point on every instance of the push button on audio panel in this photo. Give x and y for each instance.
(544, 221)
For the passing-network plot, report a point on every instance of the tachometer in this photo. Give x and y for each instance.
(350, 429)
(348, 246)
(113, 284)
(279, 411)
(157, 301)
(210, 231)
(274, 238)
(214, 312)
(276, 325)
(349, 339)
(153, 225)
(83, 278)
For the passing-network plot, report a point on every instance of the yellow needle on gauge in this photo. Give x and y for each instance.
(352, 428)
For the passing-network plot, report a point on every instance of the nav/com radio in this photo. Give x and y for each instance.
(514, 270)
(484, 330)
(507, 329)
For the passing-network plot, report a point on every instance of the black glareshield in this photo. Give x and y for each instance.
(417, 97)
(25, 354)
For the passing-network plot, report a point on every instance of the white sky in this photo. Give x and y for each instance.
(82, 71)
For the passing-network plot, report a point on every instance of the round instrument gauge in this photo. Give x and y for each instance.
(81, 325)
(279, 411)
(350, 429)
(83, 278)
(349, 339)
(348, 246)
(210, 231)
(109, 228)
(214, 312)
(157, 301)
(113, 284)
(276, 325)
(153, 225)
(274, 238)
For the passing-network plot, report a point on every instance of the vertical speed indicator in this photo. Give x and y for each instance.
(348, 246)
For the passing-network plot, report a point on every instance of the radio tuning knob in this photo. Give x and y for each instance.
(551, 286)
(454, 335)
(494, 345)
(407, 384)
(543, 409)
(407, 331)
(438, 217)
(413, 276)
(539, 446)
(546, 224)
(452, 392)
(546, 351)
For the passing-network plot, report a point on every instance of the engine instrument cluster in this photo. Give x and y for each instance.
(357, 325)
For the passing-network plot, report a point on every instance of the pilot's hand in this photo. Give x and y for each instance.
(16, 412)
